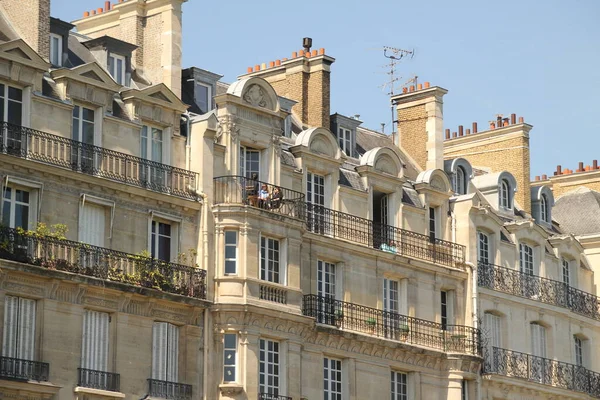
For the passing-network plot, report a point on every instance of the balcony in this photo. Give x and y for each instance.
(543, 371)
(269, 396)
(393, 326)
(169, 390)
(246, 191)
(336, 224)
(534, 287)
(98, 262)
(26, 370)
(97, 161)
(99, 380)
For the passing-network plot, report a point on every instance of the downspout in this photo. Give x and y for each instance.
(474, 300)
(202, 199)
(205, 332)
(188, 154)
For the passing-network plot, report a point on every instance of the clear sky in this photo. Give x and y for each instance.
(538, 59)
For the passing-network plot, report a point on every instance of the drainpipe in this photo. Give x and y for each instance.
(202, 199)
(205, 332)
(188, 153)
(474, 300)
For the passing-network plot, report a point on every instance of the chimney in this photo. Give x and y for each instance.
(305, 78)
(154, 26)
(31, 21)
(420, 125)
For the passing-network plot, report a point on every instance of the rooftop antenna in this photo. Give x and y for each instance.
(395, 55)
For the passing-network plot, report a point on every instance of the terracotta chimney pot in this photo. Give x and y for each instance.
(249, 69)
(468, 132)
(447, 133)
(513, 119)
(404, 90)
(86, 14)
(492, 125)
(580, 167)
(419, 86)
(107, 6)
(321, 51)
(99, 11)
(427, 85)
(537, 177)
(271, 64)
(294, 54)
(314, 53)
(544, 177)
(474, 127)
(521, 120)
(460, 130)
(93, 12)
(412, 88)
(594, 164)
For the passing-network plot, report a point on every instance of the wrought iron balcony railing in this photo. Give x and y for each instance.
(247, 191)
(391, 325)
(169, 390)
(542, 370)
(534, 287)
(337, 224)
(98, 262)
(16, 368)
(98, 161)
(269, 396)
(99, 380)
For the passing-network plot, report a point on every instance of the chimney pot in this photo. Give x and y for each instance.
(427, 85)
(419, 86)
(580, 167)
(537, 177)
(249, 70)
(460, 130)
(447, 133)
(107, 6)
(294, 54)
(120, 1)
(492, 125)
(263, 66)
(314, 53)
(454, 134)
(404, 90)
(595, 164)
(474, 127)
(277, 63)
(93, 12)
(99, 11)
(271, 64)
(322, 51)
(284, 59)
(505, 122)
(468, 131)
(521, 120)
(513, 119)
(412, 88)
(257, 67)
(86, 14)
(544, 177)
(301, 53)
(558, 169)
(587, 168)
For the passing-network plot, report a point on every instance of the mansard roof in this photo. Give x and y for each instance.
(578, 211)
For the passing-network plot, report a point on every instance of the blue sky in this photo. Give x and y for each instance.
(538, 59)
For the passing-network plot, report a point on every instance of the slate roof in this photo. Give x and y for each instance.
(578, 211)
(6, 31)
(351, 179)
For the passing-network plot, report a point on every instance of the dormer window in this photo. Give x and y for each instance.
(116, 68)
(204, 97)
(345, 140)
(544, 208)
(505, 198)
(461, 183)
(542, 201)
(459, 171)
(56, 49)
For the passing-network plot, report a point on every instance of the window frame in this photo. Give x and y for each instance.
(209, 97)
(59, 39)
(344, 137)
(328, 393)
(95, 342)
(433, 220)
(483, 247)
(460, 181)
(231, 261)
(444, 309)
(171, 354)
(112, 64)
(6, 101)
(263, 364)
(541, 331)
(31, 347)
(526, 259)
(395, 385)
(234, 351)
(505, 195)
(13, 203)
(266, 274)
(544, 208)
(244, 160)
(565, 271)
(579, 351)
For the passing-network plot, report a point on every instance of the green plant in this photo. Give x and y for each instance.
(404, 328)
(371, 321)
(339, 314)
(56, 231)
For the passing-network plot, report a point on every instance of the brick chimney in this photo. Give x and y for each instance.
(152, 25)
(305, 78)
(31, 21)
(420, 125)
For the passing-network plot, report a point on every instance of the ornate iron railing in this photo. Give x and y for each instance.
(269, 396)
(16, 368)
(337, 224)
(534, 287)
(247, 191)
(391, 325)
(169, 390)
(98, 161)
(542, 370)
(99, 380)
(98, 262)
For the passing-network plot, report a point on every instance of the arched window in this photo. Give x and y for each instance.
(461, 183)
(505, 200)
(544, 209)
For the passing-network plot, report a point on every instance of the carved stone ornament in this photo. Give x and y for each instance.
(438, 184)
(255, 96)
(227, 124)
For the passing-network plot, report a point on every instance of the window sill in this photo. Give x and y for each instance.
(99, 392)
(229, 389)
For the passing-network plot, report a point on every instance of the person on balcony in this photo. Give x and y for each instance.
(251, 188)
(276, 198)
(264, 196)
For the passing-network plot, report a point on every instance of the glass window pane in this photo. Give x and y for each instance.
(230, 341)
(88, 115)
(21, 216)
(88, 133)
(164, 229)
(230, 237)
(15, 94)
(230, 267)
(15, 112)
(22, 196)
(6, 213)
(229, 252)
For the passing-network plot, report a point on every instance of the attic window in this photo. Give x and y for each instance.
(204, 97)
(505, 197)
(544, 208)
(461, 183)
(345, 140)
(56, 50)
(116, 68)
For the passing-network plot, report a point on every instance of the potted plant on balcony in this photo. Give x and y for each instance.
(404, 331)
(339, 318)
(371, 322)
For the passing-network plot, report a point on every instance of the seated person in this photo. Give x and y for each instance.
(276, 197)
(263, 196)
(252, 185)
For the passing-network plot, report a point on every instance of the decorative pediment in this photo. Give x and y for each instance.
(156, 95)
(90, 74)
(20, 52)
(255, 92)
(319, 141)
(436, 179)
(382, 160)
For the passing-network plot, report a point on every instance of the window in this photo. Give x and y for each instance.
(505, 198)
(566, 276)
(383, 204)
(399, 386)
(82, 157)
(464, 390)
(16, 208)
(578, 351)
(92, 226)
(152, 144)
(433, 233)
(269, 367)
(538, 340)
(391, 303)
(444, 309)
(204, 97)
(231, 252)
(483, 248)
(94, 349)
(269, 259)
(526, 259)
(11, 106)
(116, 68)
(249, 162)
(56, 50)
(345, 140)
(315, 189)
(460, 181)
(229, 357)
(544, 209)
(165, 352)
(19, 328)
(161, 241)
(493, 330)
(332, 379)
(326, 279)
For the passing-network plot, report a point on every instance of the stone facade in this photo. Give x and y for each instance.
(31, 21)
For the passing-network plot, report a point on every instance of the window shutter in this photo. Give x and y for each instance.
(92, 225)
(538, 340)
(26, 344)
(173, 353)
(492, 323)
(159, 350)
(94, 353)
(9, 340)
